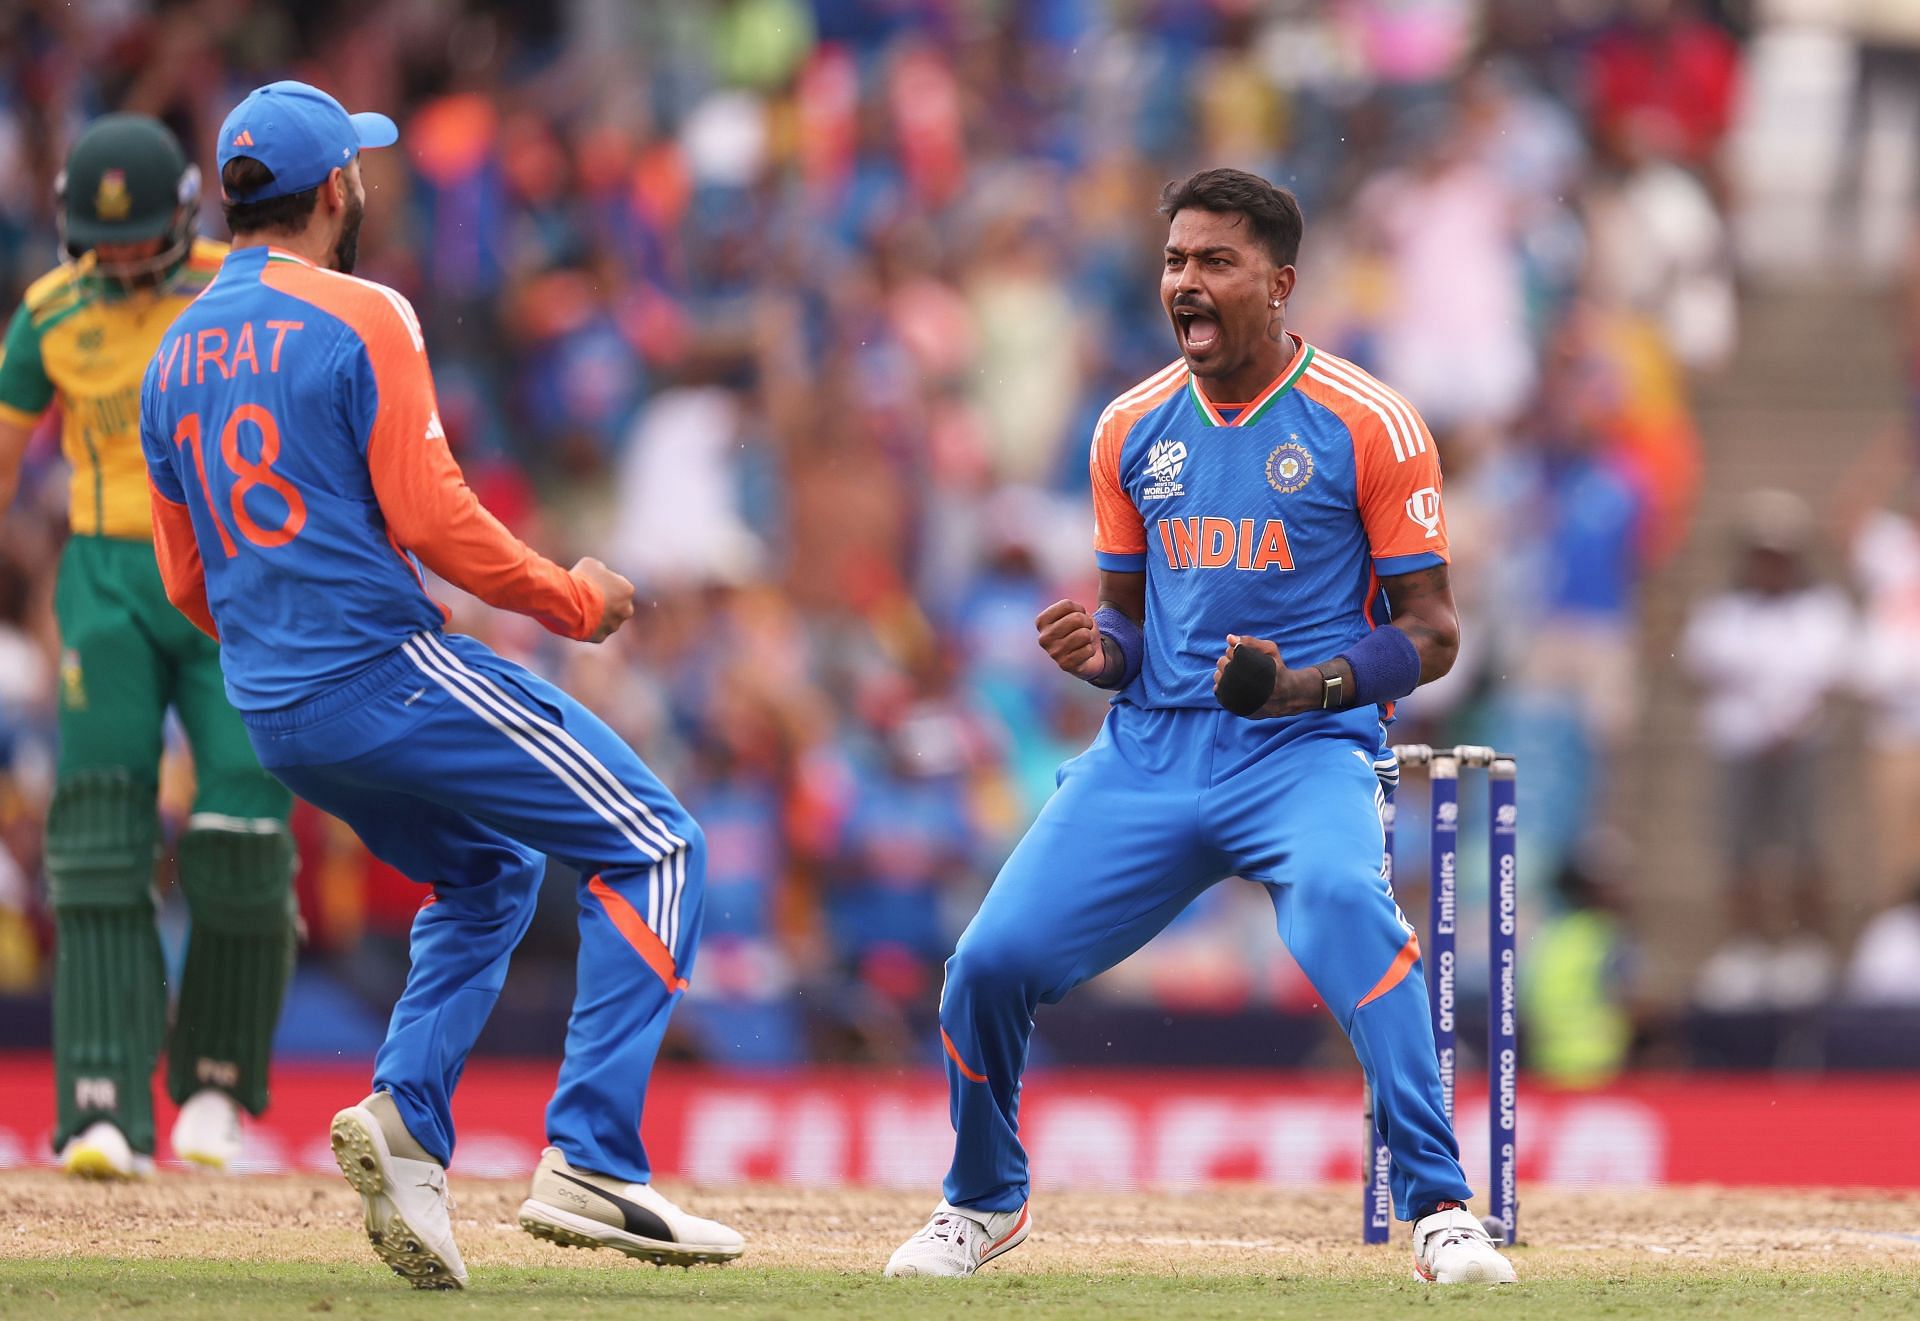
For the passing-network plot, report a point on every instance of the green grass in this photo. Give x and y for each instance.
(105, 1287)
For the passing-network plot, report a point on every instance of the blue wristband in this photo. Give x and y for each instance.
(1385, 664)
(1126, 636)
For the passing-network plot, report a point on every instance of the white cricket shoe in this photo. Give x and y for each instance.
(403, 1191)
(958, 1242)
(1452, 1247)
(207, 1130)
(577, 1208)
(101, 1152)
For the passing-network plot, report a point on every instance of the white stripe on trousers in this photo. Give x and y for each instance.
(491, 706)
(490, 703)
(616, 793)
(609, 783)
(653, 898)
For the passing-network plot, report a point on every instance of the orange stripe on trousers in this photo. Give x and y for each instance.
(630, 924)
(1408, 956)
(958, 1063)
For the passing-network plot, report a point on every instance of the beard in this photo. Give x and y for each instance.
(346, 249)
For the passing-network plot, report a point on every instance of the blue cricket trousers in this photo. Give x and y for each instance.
(1164, 804)
(461, 770)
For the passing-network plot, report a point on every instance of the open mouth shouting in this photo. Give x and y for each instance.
(1198, 330)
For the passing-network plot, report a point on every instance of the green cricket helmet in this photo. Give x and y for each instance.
(127, 181)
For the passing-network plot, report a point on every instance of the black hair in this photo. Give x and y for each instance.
(1273, 213)
(274, 215)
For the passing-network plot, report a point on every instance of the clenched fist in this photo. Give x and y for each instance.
(1069, 635)
(615, 590)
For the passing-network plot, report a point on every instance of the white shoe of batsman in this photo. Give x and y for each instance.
(1451, 1247)
(403, 1192)
(957, 1242)
(102, 1153)
(207, 1131)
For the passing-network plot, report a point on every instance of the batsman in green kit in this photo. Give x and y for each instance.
(82, 339)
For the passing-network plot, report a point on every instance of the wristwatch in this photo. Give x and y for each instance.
(1332, 690)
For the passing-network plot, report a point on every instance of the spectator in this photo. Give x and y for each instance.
(1578, 546)
(1768, 654)
(1579, 997)
(1885, 970)
(1667, 75)
(1446, 223)
(1660, 248)
(1886, 565)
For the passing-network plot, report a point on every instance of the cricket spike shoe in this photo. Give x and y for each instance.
(1451, 1246)
(101, 1152)
(206, 1132)
(577, 1208)
(956, 1242)
(403, 1191)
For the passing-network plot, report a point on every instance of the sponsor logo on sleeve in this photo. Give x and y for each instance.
(1423, 507)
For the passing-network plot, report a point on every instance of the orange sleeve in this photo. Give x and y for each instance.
(1397, 482)
(179, 558)
(430, 509)
(1119, 534)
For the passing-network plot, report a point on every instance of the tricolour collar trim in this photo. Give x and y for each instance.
(1246, 416)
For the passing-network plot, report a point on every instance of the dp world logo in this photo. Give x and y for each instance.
(1449, 814)
(1506, 816)
(1164, 462)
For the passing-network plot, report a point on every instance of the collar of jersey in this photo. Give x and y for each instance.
(281, 254)
(1263, 401)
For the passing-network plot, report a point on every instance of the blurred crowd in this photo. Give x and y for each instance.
(799, 312)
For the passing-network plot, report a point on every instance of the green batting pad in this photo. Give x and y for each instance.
(109, 1012)
(238, 878)
(101, 830)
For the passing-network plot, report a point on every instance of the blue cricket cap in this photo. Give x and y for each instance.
(300, 133)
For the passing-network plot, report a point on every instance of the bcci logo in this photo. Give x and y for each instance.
(1289, 468)
(1164, 462)
(1423, 507)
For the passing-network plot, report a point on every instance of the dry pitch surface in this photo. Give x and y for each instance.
(197, 1246)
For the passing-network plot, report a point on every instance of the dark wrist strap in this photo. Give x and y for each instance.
(1127, 639)
(1385, 666)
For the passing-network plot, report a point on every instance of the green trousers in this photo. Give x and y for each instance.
(126, 657)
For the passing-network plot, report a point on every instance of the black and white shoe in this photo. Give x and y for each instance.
(580, 1209)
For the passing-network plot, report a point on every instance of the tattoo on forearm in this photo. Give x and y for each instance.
(1422, 605)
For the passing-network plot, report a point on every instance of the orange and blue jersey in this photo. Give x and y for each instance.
(291, 434)
(301, 480)
(1276, 518)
